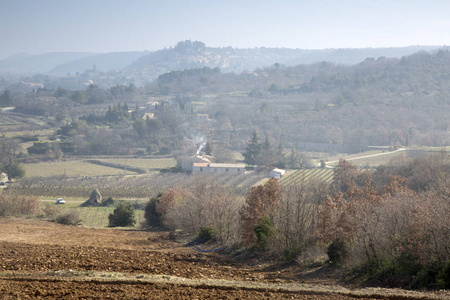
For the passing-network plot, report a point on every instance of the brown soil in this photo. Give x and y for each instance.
(45, 260)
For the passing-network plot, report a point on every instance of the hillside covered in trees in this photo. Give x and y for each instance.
(377, 102)
(319, 107)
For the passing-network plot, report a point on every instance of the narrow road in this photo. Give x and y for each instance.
(367, 156)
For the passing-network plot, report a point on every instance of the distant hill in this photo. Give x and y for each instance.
(104, 62)
(59, 64)
(144, 66)
(190, 55)
(26, 64)
(421, 72)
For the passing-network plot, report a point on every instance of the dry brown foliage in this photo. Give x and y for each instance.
(15, 205)
(296, 218)
(168, 200)
(379, 225)
(261, 201)
(344, 173)
(206, 203)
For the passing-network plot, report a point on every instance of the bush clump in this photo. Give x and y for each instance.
(427, 277)
(69, 218)
(263, 232)
(108, 202)
(336, 252)
(207, 233)
(18, 205)
(51, 211)
(445, 276)
(122, 216)
(152, 217)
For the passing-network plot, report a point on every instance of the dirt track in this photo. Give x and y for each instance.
(44, 260)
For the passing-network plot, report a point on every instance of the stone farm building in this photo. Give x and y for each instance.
(219, 169)
(202, 165)
(188, 165)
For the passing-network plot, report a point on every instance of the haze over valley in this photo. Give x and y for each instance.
(242, 150)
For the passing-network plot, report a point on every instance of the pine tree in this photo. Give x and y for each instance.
(293, 158)
(6, 99)
(253, 150)
(208, 149)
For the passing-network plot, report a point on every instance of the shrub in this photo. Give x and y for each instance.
(207, 233)
(427, 277)
(263, 231)
(16, 205)
(122, 216)
(398, 271)
(290, 254)
(70, 218)
(444, 276)
(51, 211)
(336, 252)
(152, 217)
(109, 202)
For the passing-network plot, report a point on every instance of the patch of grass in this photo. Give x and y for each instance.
(89, 216)
(98, 216)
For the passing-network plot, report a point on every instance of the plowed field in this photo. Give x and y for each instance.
(45, 260)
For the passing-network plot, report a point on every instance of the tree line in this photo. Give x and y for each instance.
(381, 225)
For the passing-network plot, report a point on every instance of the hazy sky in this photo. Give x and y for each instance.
(39, 26)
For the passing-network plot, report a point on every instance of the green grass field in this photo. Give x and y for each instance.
(70, 169)
(91, 216)
(98, 216)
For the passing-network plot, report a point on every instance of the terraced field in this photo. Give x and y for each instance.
(307, 174)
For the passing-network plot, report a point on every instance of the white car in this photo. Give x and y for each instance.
(60, 201)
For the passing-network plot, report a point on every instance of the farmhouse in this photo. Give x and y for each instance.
(188, 165)
(276, 173)
(219, 169)
(202, 165)
(151, 106)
